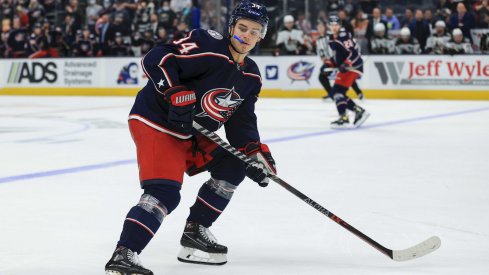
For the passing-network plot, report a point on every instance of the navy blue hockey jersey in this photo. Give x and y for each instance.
(344, 50)
(226, 92)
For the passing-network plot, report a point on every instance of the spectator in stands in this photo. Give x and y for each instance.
(36, 12)
(345, 22)
(58, 43)
(393, 23)
(360, 23)
(481, 9)
(428, 17)
(92, 13)
(166, 17)
(194, 15)
(376, 19)
(119, 47)
(17, 39)
(484, 44)
(179, 5)
(162, 37)
(147, 42)
(407, 44)
(7, 10)
(74, 10)
(462, 20)
(379, 43)
(350, 8)
(437, 41)
(290, 40)
(142, 17)
(182, 31)
(3, 44)
(420, 29)
(69, 29)
(408, 17)
(83, 45)
(458, 44)
(304, 23)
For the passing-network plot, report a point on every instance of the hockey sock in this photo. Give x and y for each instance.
(340, 98)
(355, 87)
(144, 219)
(350, 104)
(212, 199)
(323, 78)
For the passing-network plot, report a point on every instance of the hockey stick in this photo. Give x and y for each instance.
(419, 250)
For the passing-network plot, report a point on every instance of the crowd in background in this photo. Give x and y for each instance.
(444, 28)
(93, 28)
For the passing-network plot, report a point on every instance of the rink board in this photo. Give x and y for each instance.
(385, 77)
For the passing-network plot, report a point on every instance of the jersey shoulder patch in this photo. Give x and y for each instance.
(215, 34)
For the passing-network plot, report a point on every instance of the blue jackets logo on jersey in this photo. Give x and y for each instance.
(219, 104)
(129, 74)
(301, 70)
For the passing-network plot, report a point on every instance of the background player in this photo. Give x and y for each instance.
(207, 78)
(327, 68)
(347, 59)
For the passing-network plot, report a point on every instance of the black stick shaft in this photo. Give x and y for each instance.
(217, 139)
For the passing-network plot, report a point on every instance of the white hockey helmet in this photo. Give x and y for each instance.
(379, 27)
(405, 32)
(457, 32)
(440, 24)
(288, 19)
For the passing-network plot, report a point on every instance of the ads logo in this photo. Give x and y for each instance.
(301, 70)
(392, 70)
(33, 72)
(271, 72)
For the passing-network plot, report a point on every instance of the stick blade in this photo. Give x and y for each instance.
(417, 251)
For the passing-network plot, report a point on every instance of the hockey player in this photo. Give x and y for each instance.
(458, 44)
(324, 52)
(437, 41)
(407, 44)
(379, 43)
(347, 59)
(206, 77)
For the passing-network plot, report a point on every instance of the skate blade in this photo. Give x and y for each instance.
(362, 120)
(113, 272)
(341, 127)
(195, 256)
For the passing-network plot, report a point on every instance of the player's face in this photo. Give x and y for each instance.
(334, 27)
(249, 32)
(321, 29)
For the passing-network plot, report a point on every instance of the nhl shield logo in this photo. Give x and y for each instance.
(219, 104)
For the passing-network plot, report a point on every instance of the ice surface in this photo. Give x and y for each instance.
(417, 168)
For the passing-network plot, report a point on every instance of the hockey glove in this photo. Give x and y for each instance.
(264, 164)
(182, 107)
(343, 68)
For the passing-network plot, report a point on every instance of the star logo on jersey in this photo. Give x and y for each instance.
(161, 83)
(219, 104)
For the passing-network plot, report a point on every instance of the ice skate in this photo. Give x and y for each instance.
(125, 262)
(361, 97)
(341, 123)
(360, 116)
(200, 246)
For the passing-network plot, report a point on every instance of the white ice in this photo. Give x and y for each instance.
(417, 169)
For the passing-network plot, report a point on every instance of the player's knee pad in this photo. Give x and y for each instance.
(230, 169)
(338, 89)
(221, 188)
(161, 198)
